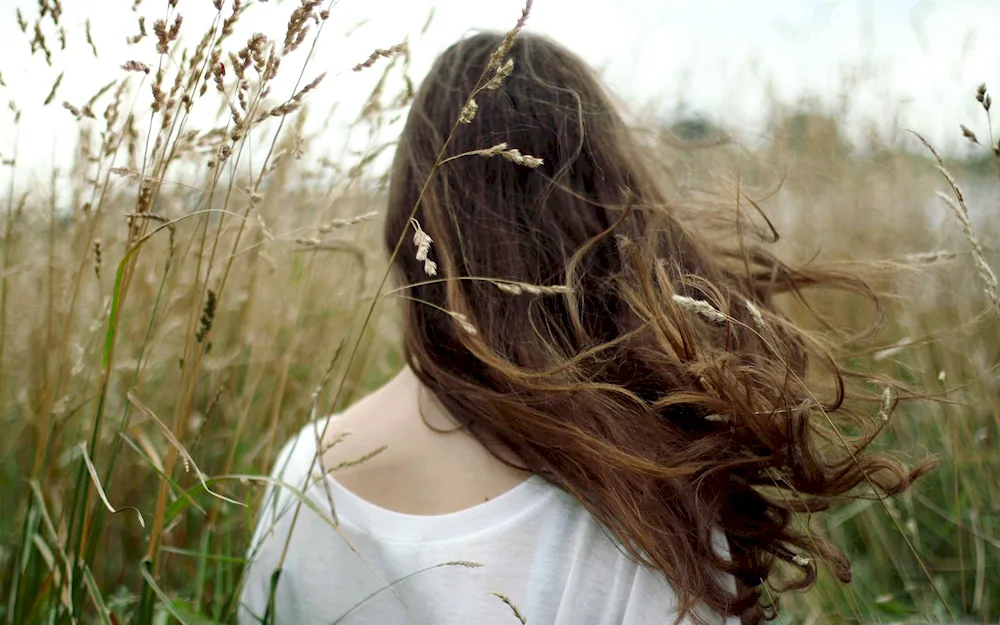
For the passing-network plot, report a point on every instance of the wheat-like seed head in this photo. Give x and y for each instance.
(510, 604)
(888, 399)
(469, 111)
(519, 288)
(755, 314)
(699, 307)
(511, 154)
(463, 321)
(422, 241)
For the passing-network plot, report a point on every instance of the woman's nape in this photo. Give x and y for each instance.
(578, 328)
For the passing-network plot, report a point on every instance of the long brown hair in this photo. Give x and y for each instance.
(579, 327)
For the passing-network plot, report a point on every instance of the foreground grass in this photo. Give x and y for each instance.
(129, 342)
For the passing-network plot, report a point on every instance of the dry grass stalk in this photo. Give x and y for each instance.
(336, 224)
(519, 288)
(186, 458)
(700, 308)
(381, 53)
(207, 316)
(52, 92)
(508, 41)
(353, 463)
(298, 25)
(511, 154)
(758, 318)
(979, 258)
(264, 230)
(929, 258)
(961, 211)
(100, 489)
(97, 258)
(510, 604)
(295, 101)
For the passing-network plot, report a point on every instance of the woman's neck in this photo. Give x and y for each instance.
(429, 465)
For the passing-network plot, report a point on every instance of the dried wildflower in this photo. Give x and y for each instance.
(968, 134)
(135, 66)
(699, 307)
(422, 241)
(311, 242)
(207, 316)
(72, 109)
(469, 112)
(381, 53)
(505, 598)
(465, 563)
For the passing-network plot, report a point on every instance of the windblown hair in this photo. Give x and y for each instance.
(580, 328)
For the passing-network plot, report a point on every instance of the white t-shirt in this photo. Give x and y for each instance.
(535, 544)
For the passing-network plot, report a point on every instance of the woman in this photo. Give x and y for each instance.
(602, 418)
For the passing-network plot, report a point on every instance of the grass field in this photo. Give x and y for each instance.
(183, 299)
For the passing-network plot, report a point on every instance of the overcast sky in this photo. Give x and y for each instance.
(914, 63)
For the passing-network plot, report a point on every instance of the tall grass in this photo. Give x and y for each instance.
(172, 305)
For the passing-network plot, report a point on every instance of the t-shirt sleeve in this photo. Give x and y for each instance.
(273, 525)
(653, 597)
(654, 602)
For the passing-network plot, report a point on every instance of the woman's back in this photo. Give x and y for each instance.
(520, 538)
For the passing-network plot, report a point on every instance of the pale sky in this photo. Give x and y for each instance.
(915, 63)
